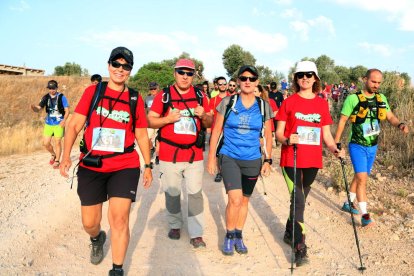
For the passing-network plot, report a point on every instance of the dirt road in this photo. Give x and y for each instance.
(41, 231)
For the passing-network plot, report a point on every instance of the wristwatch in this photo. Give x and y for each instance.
(150, 165)
(270, 161)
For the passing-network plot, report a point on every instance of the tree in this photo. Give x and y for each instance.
(343, 73)
(70, 69)
(234, 57)
(357, 74)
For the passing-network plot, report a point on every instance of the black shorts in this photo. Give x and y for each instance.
(97, 187)
(239, 174)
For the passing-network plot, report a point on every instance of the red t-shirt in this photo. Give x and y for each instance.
(119, 119)
(299, 112)
(274, 107)
(172, 131)
(214, 102)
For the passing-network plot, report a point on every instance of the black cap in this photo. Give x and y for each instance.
(249, 68)
(52, 84)
(153, 84)
(96, 77)
(273, 85)
(122, 52)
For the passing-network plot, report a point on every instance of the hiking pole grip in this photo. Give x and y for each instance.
(339, 146)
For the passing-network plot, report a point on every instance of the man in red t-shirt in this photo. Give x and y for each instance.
(180, 156)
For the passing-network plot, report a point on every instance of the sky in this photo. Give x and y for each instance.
(44, 34)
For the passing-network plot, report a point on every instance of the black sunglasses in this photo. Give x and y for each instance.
(222, 84)
(251, 79)
(308, 75)
(182, 73)
(232, 85)
(116, 64)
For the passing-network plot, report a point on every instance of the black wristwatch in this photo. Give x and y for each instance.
(270, 161)
(150, 165)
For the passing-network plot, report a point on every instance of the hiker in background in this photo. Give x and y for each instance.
(232, 87)
(240, 157)
(365, 109)
(152, 133)
(215, 90)
(95, 79)
(301, 117)
(110, 171)
(57, 112)
(180, 112)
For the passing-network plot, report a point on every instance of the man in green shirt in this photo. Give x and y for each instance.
(365, 109)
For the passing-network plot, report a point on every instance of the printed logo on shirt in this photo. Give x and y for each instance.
(118, 116)
(311, 118)
(244, 126)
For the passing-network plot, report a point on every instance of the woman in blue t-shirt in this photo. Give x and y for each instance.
(241, 119)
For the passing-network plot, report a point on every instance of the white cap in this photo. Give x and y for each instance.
(307, 66)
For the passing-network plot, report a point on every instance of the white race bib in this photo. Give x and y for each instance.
(108, 139)
(309, 135)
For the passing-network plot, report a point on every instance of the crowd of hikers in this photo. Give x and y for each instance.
(240, 120)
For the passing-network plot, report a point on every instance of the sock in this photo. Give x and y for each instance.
(230, 234)
(363, 207)
(352, 196)
(238, 234)
(96, 238)
(117, 267)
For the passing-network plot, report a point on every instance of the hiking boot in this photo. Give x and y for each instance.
(228, 246)
(197, 242)
(239, 246)
(116, 272)
(218, 178)
(174, 234)
(350, 208)
(301, 255)
(97, 253)
(366, 220)
(287, 238)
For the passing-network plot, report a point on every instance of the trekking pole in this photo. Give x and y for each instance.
(292, 257)
(362, 267)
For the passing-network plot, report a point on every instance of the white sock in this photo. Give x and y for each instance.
(352, 196)
(363, 207)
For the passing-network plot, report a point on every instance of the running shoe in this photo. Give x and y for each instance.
(97, 253)
(301, 254)
(366, 220)
(239, 246)
(228, 247)
(174, 234)
(197, 242)
(350, 208)
(116, 272)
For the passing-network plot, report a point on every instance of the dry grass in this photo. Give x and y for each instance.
(22, 128)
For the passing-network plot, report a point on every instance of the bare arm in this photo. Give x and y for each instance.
(394, 121)
(72, 130)
(340, 128)
(215, 133)
(156, 121)
(35, 108)
(141, 135)
(268, 138)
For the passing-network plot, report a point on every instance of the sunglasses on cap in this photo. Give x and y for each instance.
(116, 64)
(308, 75)
(251, 79)
(182, 73)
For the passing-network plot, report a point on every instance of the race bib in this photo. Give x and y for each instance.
(371, 129)
(108, 139)
(185, 125)
(309, 135)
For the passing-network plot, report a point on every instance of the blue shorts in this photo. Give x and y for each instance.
(362, 157)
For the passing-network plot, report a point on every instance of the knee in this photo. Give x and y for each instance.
(119, 222)
(90, 224)
(236, 202)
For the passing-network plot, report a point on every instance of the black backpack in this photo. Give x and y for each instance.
(201, 133)
(46, 102)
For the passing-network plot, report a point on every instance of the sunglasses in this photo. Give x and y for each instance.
(182, 73)
(251, 79)
(116, 64)
(232, 85)
(153, 88)
(308, 75)
(222, 84)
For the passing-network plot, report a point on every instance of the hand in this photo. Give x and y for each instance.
(294, 139)
(62, 123)
(34, 108)
(339, 153)
(404, 128)
(147, 180)
(64, 167)
(199, 111)
(266, 168)
(212, 165)
(174, 116)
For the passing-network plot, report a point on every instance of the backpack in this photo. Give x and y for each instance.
(230, 107)
(201, 133)
(97, 97)
(47, 102)
(360, 112)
